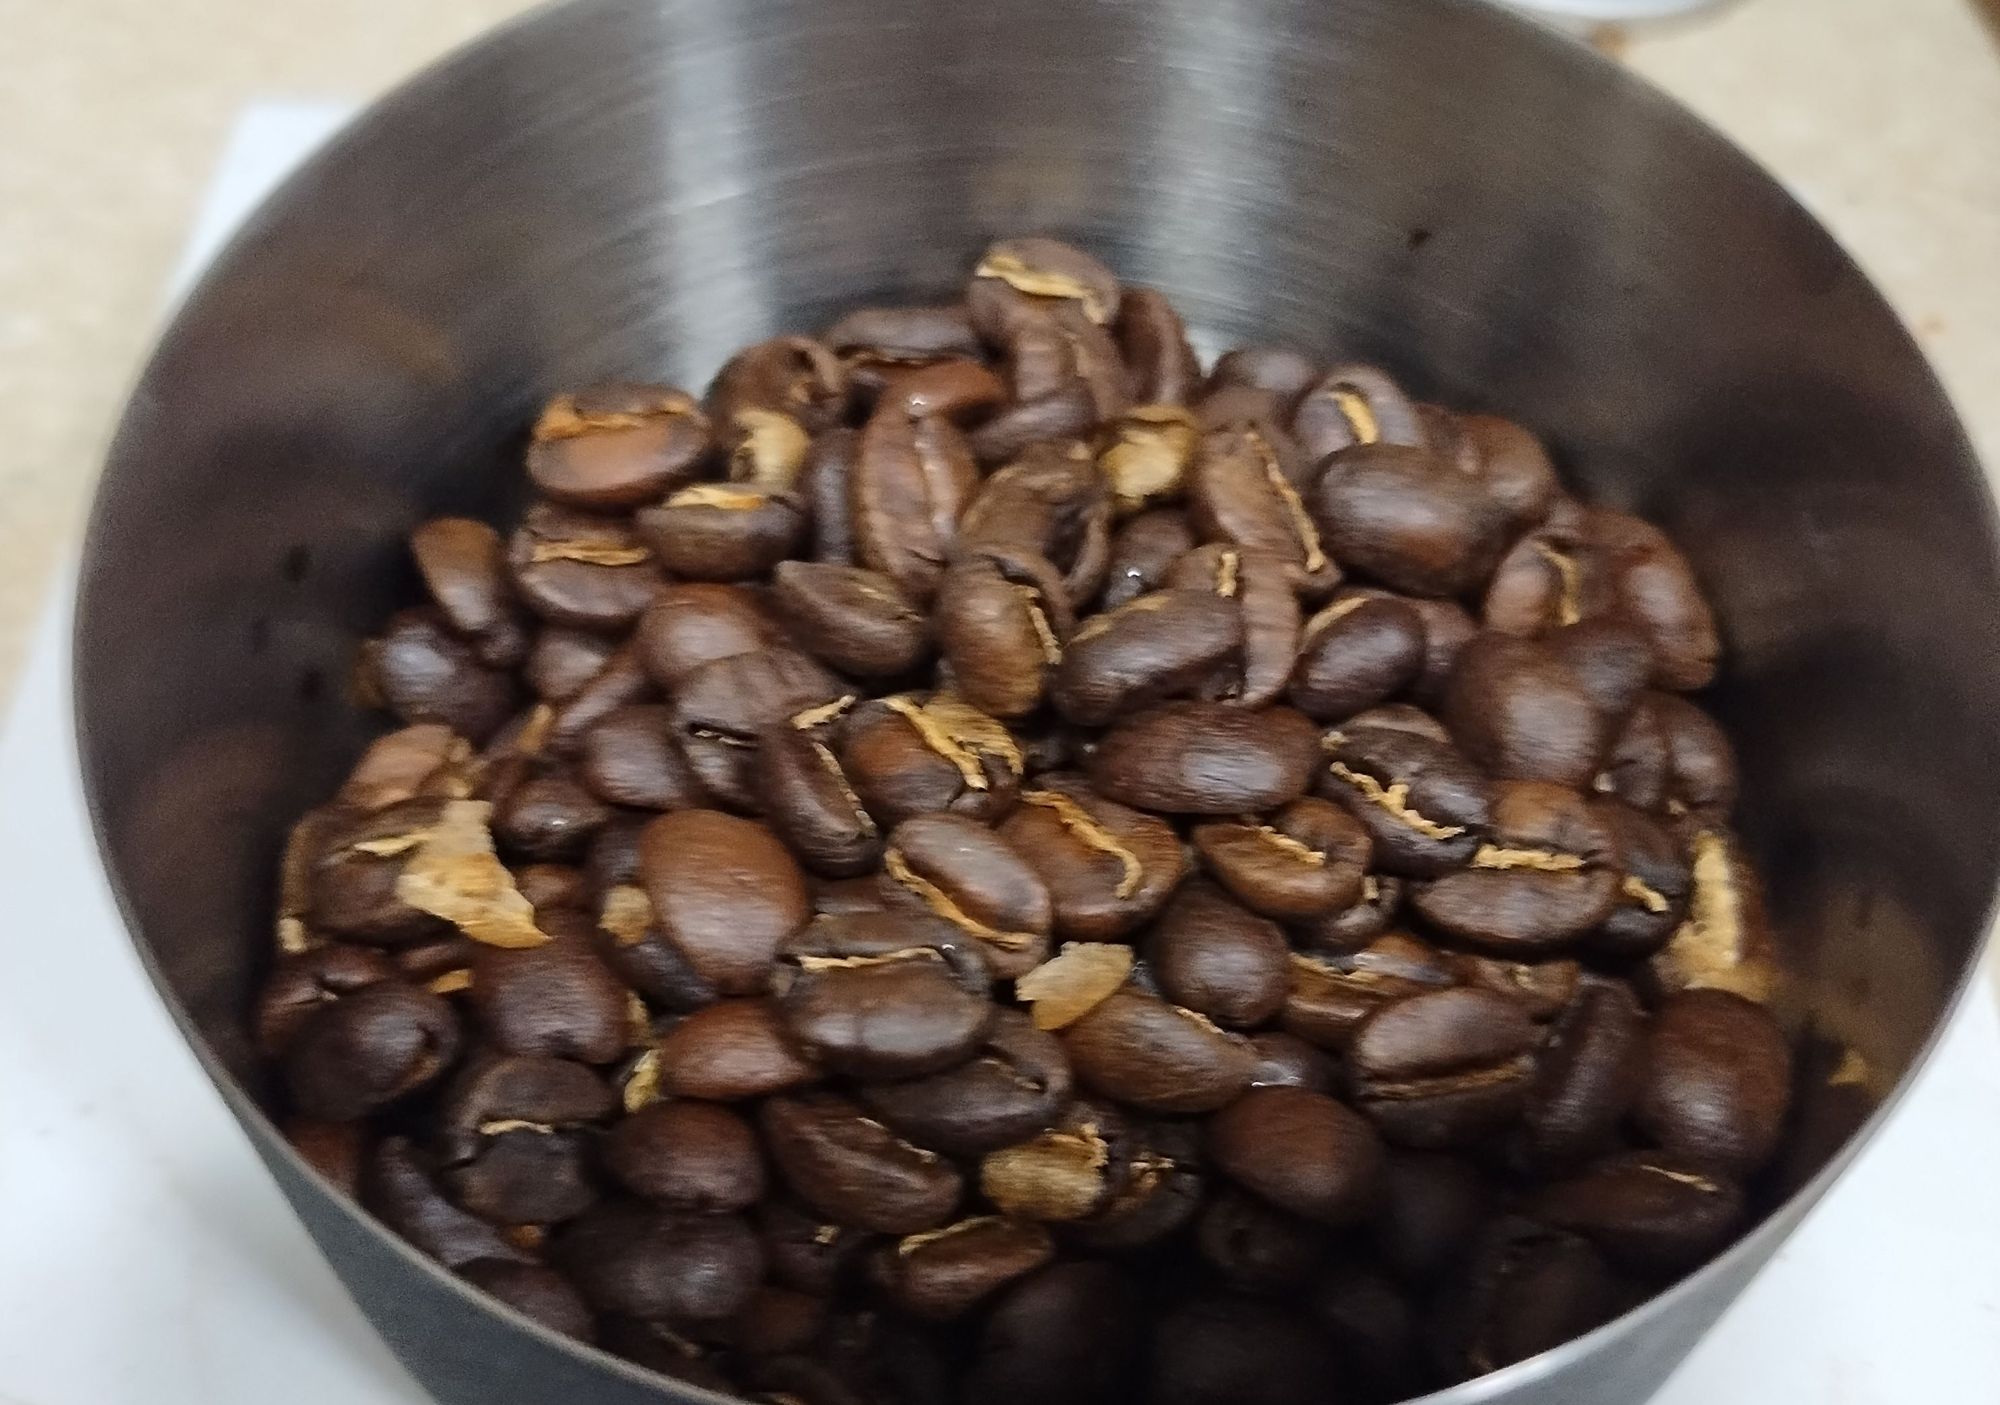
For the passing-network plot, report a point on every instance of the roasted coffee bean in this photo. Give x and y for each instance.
(425, 673)
(1059, 417)
(1160, 1191)
(1522, 714)
(1211, 956)
(807, 798)
(620, 681)
(839, 897)
(1303, 1151)
(1718, 1080)
(1587, 1077)
(1108, 868)
(558, 998)
(1068, 1335)
(806, 1253)
(368, 1048)
(1238, 492)
(1527, 1288)
(1238, 1351)
(1163, 645)
(1163, 367)
(1051, 503)
(579, 569)
(630, 942)
(463, 564)
(687, 1155)
(1368, 917)
(1431, 1207)
(905, 334)
(1443, 1069)
(796, 376)
(823, 487)
(1548, 873)
(955, 868)
(1147, 1053)
(853, 1169)
(908, 756)
(726, 893)
(1355, 404)
(730, 1051)
(1011, 1088)
(1065, 1174)
(535, 1292)
(302, 985)
(547, 887)
(1424, 805)
(1541, 988)
(1332, 991)
(722, 708)
(631, 758)
(1701, 765)
(1610, 659)
(398, 1186)
(1143, 550)
(1281, 372)
(1357, 652)
(1307, 862)
(426, 759)
(1513, 467)
(1408, 519)
(1647, 1211)
(548, 818)
(1653, 890)
(1048, 353)
(1201, 758)
(638, 1260)
(911, 481)
(1036, 275)
(1255, 1247)
(617, 445)
(508, 1138)
(562, 660)
(943, 1274)
(851, 619)
(691, 624)
(956, 387)
(1287, 1061)
(723, 531)
(1001, 620)
(893, 1004)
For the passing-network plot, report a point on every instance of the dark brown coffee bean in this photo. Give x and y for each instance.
(368, 1048)
(1033, 275)
(1647, 1211)
(463, 564)
(1149, 1054)
(1527, 1288)
(508, 1138)
(1050, 504)
(1200, 758)
(911, 482)
(1287, 1061)
(1431, 1208)
(1302, 1151)
(1285, 373)
(1371, 914)
(620, 681)
(558, 999)
(1541, 988)
(631, 758)
(1211, 956)
(1657, 588)
(1238, 492)
(854, 620)
(1108, 868)
(548, 887)
(723, 531)
(853, 1169)
(303, 984)
(723, 707)
(1254, 1247)
(691, 624)
(907, 756)
(841, 897)
(424, 760)
(1519, 712)
(1701, 764)
(955, 868)
(1548, 874)
(1408, 519)
(1059, 417)
(1357, 652)
(957, 387)
(1654, 890)
(1155, 345)
(1068, 1173)
(807, 798)
(823, 488)
(1355, 404)
(891, 1006)
(1307, 862)
(726, 893)
(617, 445)
(730, 1051)
(1050, 350)
(629, 941)
(1142, 552)
(1587, 1076)
(548, 818)
(1160, 1191)
(1443, 1069)
(425, 673)
(905, 333)
(1001, 618)
(398, 1187)
(524, 1174)
(1238, 1351)
(1718, 1080)
(1159, 646)
(1513, 467)
(1611, 661)
(796, 376)
(535, 1292)
(1011, 1088)
(638, 1260)
(1425, 806)
(578, 569)
(562, 660)
(1069, 1335)
(1332, 992)
(691, 1156)
(943, 1274)
(807, 1253)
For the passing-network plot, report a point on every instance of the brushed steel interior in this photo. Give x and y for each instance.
(636, 186)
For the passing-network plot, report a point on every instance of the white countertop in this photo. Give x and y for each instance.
(146, 1259)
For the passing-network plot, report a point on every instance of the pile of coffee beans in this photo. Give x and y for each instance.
(980, 862)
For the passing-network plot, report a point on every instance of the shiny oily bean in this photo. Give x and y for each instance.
(1308, 861)
(1000, 625)
(1357, 652)
(1548, 874)
(853, 620)
(616, 445)
(1512, 465)
(548, 818)
(908, 756)
(723, 531)
(807, 798)
(463, 563)
(1200, 758)
(1649, 1212)
(425, 673)
(1332, 992)
(1443, 1069)
(1287, 1061)
(687, 1155)
(693, 623)
(581, 570)
(942, 1274)
(1522, 714)
(1404, 517)
(911, 481)
(897, 1014)
(728, 1052)
(726, 893)
(1147, 1053)
(638, 1260)
(1587, 1076)
(1238, 492)
(1718, 1080)
(1011, 1088)
(1108, 868)
(1163, 645)
(1424, 805)
(372, 1046)
(631, 758)
(956, 387)
(1302, 1151)
(1610, 660)
(853, 1169)
(1142, 552)
(1211, 956)
(955, 868)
